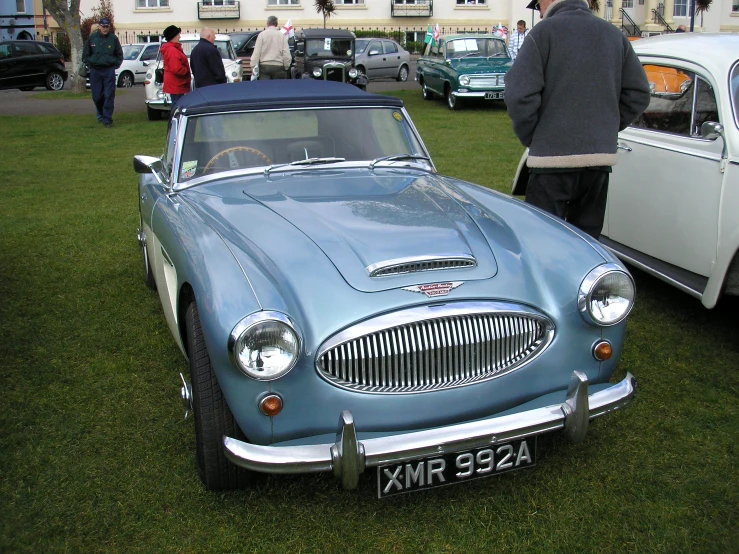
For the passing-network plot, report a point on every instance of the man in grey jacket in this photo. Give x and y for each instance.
(576, 83)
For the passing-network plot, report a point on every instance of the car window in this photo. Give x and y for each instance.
(4, 51)
(436, 48)
(46, 49)
(25, 49)
(374, 48)
(680, 101)
(216, 143)
(734, 92)
(131, 51)
(473, 47)
(150, 53)
(390, 47)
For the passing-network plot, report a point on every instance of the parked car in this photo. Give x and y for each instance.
(460, 67)
(325, 282)
(382, 58)
(326, 54)
(673, 197)
(157, 102)
(27, 64)
(244, 46)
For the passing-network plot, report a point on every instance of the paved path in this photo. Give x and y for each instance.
(16, 102)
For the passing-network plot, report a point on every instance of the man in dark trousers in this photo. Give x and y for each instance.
(103, 55)
(576, 83)
(206, 62)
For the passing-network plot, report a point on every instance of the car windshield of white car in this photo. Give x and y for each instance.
(253, 141)
(469, 47)
(328, 48)
(734, 83)
(222, 46)
(131, 51)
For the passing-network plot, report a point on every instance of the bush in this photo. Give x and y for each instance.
(397, 36)
(64, 46)
(414, 47)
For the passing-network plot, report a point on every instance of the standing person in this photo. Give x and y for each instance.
(103, 54)
(576, 83)
(516, 39)
(206, 61)
(176, 67)
(271, 52)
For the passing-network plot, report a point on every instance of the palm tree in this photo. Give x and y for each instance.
(594, 5)
(701, 6)
(325, 8)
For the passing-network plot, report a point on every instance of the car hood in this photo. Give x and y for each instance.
(361, 222)
(481, 65)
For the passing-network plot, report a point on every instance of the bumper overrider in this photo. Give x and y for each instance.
(348, 457)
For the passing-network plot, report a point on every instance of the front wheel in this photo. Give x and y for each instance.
(452, 101)
(213, 418)
(427, 94)
(154, 115)
(54, 81)
(403, 74)
(125, 80)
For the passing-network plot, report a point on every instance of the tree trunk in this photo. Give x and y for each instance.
(67, 14)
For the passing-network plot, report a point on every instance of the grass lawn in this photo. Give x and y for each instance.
(95, 455)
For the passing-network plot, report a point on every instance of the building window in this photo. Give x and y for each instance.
(471, 2)
(627, 4)
(20, 6)
(349, 2)
(152, 3)
(735, 6)
(283, 2)
(680, 9)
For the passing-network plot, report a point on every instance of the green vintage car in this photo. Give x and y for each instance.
(459, 67)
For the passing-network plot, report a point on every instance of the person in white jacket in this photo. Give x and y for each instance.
(516, 39)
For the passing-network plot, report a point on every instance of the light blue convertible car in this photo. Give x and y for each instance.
(345, 308)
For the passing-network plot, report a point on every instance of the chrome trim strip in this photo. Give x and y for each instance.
(480, 94)
(380, 269)
(669, 148)
(453, 325)
(349, 457)
(586, 288)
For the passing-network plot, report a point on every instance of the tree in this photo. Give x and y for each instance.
(594, 5)
(701, 6)
(67, 14)
(326, 8)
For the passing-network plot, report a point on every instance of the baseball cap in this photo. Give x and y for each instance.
(104, 21)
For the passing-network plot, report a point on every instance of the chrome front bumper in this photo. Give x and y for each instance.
(348, 457)
(473, 94)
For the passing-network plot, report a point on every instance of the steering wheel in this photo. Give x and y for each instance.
(232, 161)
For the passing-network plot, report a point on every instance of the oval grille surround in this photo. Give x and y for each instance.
(434, 353)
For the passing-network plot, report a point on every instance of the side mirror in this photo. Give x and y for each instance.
(148, 164)
(373, 52)
(712, 130)
(145, 64)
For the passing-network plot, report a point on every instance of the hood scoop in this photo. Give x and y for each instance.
(403, 266)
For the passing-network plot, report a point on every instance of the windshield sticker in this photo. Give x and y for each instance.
(397, 116)
(327, 44)
(188, 169)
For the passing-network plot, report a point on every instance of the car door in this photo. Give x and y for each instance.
(28, 66)
(435, 62)
(664, 193)
(148, 55)
(6, 66)
(373, 59)
(391, 59)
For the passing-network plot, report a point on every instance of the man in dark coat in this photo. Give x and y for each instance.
(576, 83)
(206, 62)
(103, 54)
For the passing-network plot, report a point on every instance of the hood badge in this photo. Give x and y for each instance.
(435, 289)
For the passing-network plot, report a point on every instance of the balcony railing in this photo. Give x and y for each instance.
(411, 8)
(219, 9)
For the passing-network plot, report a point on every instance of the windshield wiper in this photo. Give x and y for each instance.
(396, 157)
(307, 161)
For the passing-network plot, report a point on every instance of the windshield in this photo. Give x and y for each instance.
(469, 47)
(131, 51)
(329, 47)
(223, 142)
(361, 45)
(222, 45)
(734, 92)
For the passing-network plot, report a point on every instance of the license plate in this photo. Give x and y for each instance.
(494, 96)
(448, 469)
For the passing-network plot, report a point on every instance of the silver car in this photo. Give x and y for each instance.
(136, 58)
(382, 58)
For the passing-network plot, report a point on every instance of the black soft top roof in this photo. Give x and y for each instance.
(277, 94)
(325, 33)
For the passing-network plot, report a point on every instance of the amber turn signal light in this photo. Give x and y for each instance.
(602, 351)
(270, 405)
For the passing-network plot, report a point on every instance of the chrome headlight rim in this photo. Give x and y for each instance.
(464, 80)
(317, 72)
(590, 283)
(353, 73)
(249, 322)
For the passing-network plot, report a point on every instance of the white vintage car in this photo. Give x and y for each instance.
(157, 102)
(673, 198)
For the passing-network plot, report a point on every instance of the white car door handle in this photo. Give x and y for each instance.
(624, 147)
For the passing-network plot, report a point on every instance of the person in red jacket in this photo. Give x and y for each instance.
(176, 66)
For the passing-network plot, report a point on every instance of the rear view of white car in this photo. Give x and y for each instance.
(157, 102)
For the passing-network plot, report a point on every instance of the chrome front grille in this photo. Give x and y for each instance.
(434, 347)
(487, 81)
(414, 265)
(334, 72)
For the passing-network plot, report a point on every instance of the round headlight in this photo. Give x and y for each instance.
(149, 75)
(464, 80)
(353, 73)
(606, 295)
(317, 72)
(265, 346)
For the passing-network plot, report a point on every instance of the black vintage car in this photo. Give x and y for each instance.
(326, 54)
